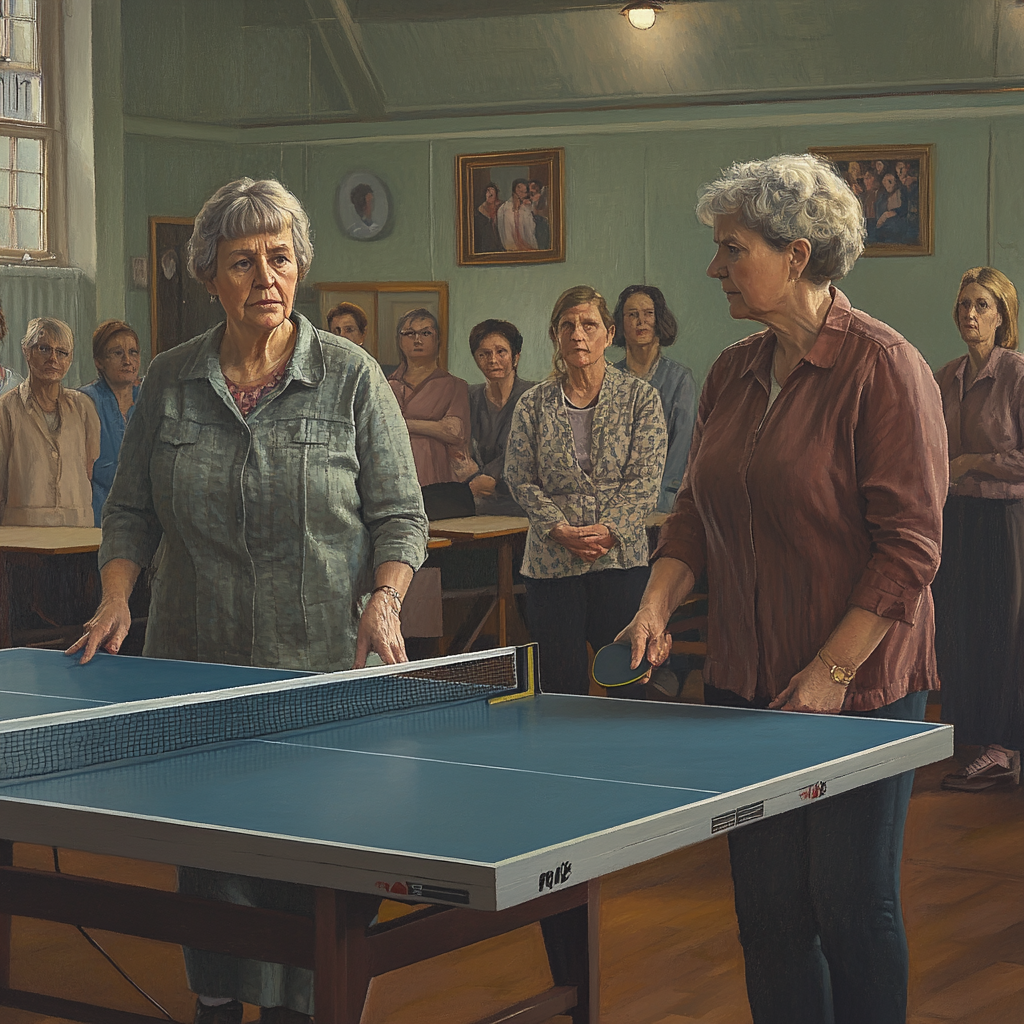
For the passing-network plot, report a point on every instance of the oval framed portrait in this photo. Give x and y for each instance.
(363, 206)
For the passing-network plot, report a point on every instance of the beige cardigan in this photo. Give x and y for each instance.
(44, 477)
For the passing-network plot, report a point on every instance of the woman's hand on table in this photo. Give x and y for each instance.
(812, 689)
(106, 629)
(380, 630)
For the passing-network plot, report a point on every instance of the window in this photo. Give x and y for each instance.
(28, 138)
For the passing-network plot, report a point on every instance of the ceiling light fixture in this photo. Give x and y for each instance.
(642, 13)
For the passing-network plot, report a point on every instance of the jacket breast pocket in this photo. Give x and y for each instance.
(316, 458)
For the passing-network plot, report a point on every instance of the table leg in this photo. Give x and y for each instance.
(504, 588)
(573, 944)
(6, 860)
(5, 601)
(342, 973)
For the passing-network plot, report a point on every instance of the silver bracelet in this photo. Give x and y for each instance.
(391, 592)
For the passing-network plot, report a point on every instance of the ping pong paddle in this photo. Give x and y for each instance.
(612, 666)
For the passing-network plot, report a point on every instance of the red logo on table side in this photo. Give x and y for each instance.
(812, 792)
(395, 888)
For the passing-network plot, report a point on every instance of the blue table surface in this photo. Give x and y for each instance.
(34, 682)
(473, 781)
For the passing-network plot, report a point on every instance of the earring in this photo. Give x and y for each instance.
(213, 299)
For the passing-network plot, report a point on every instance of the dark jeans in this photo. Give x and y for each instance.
(566, 614)
(818, 902)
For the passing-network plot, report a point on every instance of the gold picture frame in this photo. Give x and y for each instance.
(900, 219)
(501, 222)
(384, 302)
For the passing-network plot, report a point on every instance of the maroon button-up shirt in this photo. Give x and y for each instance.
(834, 500)
(987, 418)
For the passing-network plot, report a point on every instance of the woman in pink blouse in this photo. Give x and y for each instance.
(435, 404)
(979, 615)
(813, 494)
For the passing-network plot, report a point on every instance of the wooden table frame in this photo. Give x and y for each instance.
(37, 540)
(491, 532)
(339, 943)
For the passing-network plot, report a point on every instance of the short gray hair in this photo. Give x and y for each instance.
(788, 197)
(55, 330)
(246, 207)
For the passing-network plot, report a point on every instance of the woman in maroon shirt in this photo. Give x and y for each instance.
(980, 639)
(813, 494)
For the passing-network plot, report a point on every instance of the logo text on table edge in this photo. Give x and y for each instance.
(549, 879)
(813, 791)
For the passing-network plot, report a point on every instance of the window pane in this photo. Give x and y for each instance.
(5, 150)
(30, 191)
(22, 94)
(23, 43)
(5, 229)
(30, 155)
(29, 227)
(5, 190)
(23, 9)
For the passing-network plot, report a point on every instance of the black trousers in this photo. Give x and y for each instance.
(566, 614)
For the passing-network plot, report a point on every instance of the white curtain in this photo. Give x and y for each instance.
(61, 292)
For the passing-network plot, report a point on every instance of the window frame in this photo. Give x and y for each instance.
(50, 132)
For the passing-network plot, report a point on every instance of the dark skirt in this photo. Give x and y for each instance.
(979, 620)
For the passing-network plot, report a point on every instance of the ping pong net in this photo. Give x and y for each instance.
(74, 740)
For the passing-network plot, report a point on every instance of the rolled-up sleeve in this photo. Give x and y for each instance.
(392, 503)
(903, 476)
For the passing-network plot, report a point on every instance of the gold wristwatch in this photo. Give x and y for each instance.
(839, 673)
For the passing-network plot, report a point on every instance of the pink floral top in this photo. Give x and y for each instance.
(247, 396)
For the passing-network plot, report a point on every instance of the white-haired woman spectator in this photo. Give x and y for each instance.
(49, 437)
(272, 461)
(814, 495)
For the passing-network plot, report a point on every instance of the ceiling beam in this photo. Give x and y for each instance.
(350, 64)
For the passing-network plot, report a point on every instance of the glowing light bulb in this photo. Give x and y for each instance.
(642, 14)
(641, 17)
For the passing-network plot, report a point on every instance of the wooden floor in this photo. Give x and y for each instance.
(669, 949)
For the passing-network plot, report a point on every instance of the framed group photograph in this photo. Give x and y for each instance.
(894, 186)
(510, 207)
(383, 303)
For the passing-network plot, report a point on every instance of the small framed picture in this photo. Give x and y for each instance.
(376, 308)
(894, 186)
(363, 206)
(510, 207)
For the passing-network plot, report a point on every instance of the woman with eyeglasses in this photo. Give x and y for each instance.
(646, 325)
(435, 404)
(49, 437)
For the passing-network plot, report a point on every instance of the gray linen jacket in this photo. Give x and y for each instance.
(269, 528)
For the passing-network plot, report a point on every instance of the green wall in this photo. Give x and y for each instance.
(631, 180)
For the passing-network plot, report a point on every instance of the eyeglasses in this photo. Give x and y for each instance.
(636, 315)
(426, 334)
(46, 351)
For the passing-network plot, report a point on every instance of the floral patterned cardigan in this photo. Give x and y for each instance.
(628, 454)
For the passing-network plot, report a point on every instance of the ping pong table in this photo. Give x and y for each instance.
(453, 784)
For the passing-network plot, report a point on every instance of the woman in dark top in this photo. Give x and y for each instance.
(496, 345)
